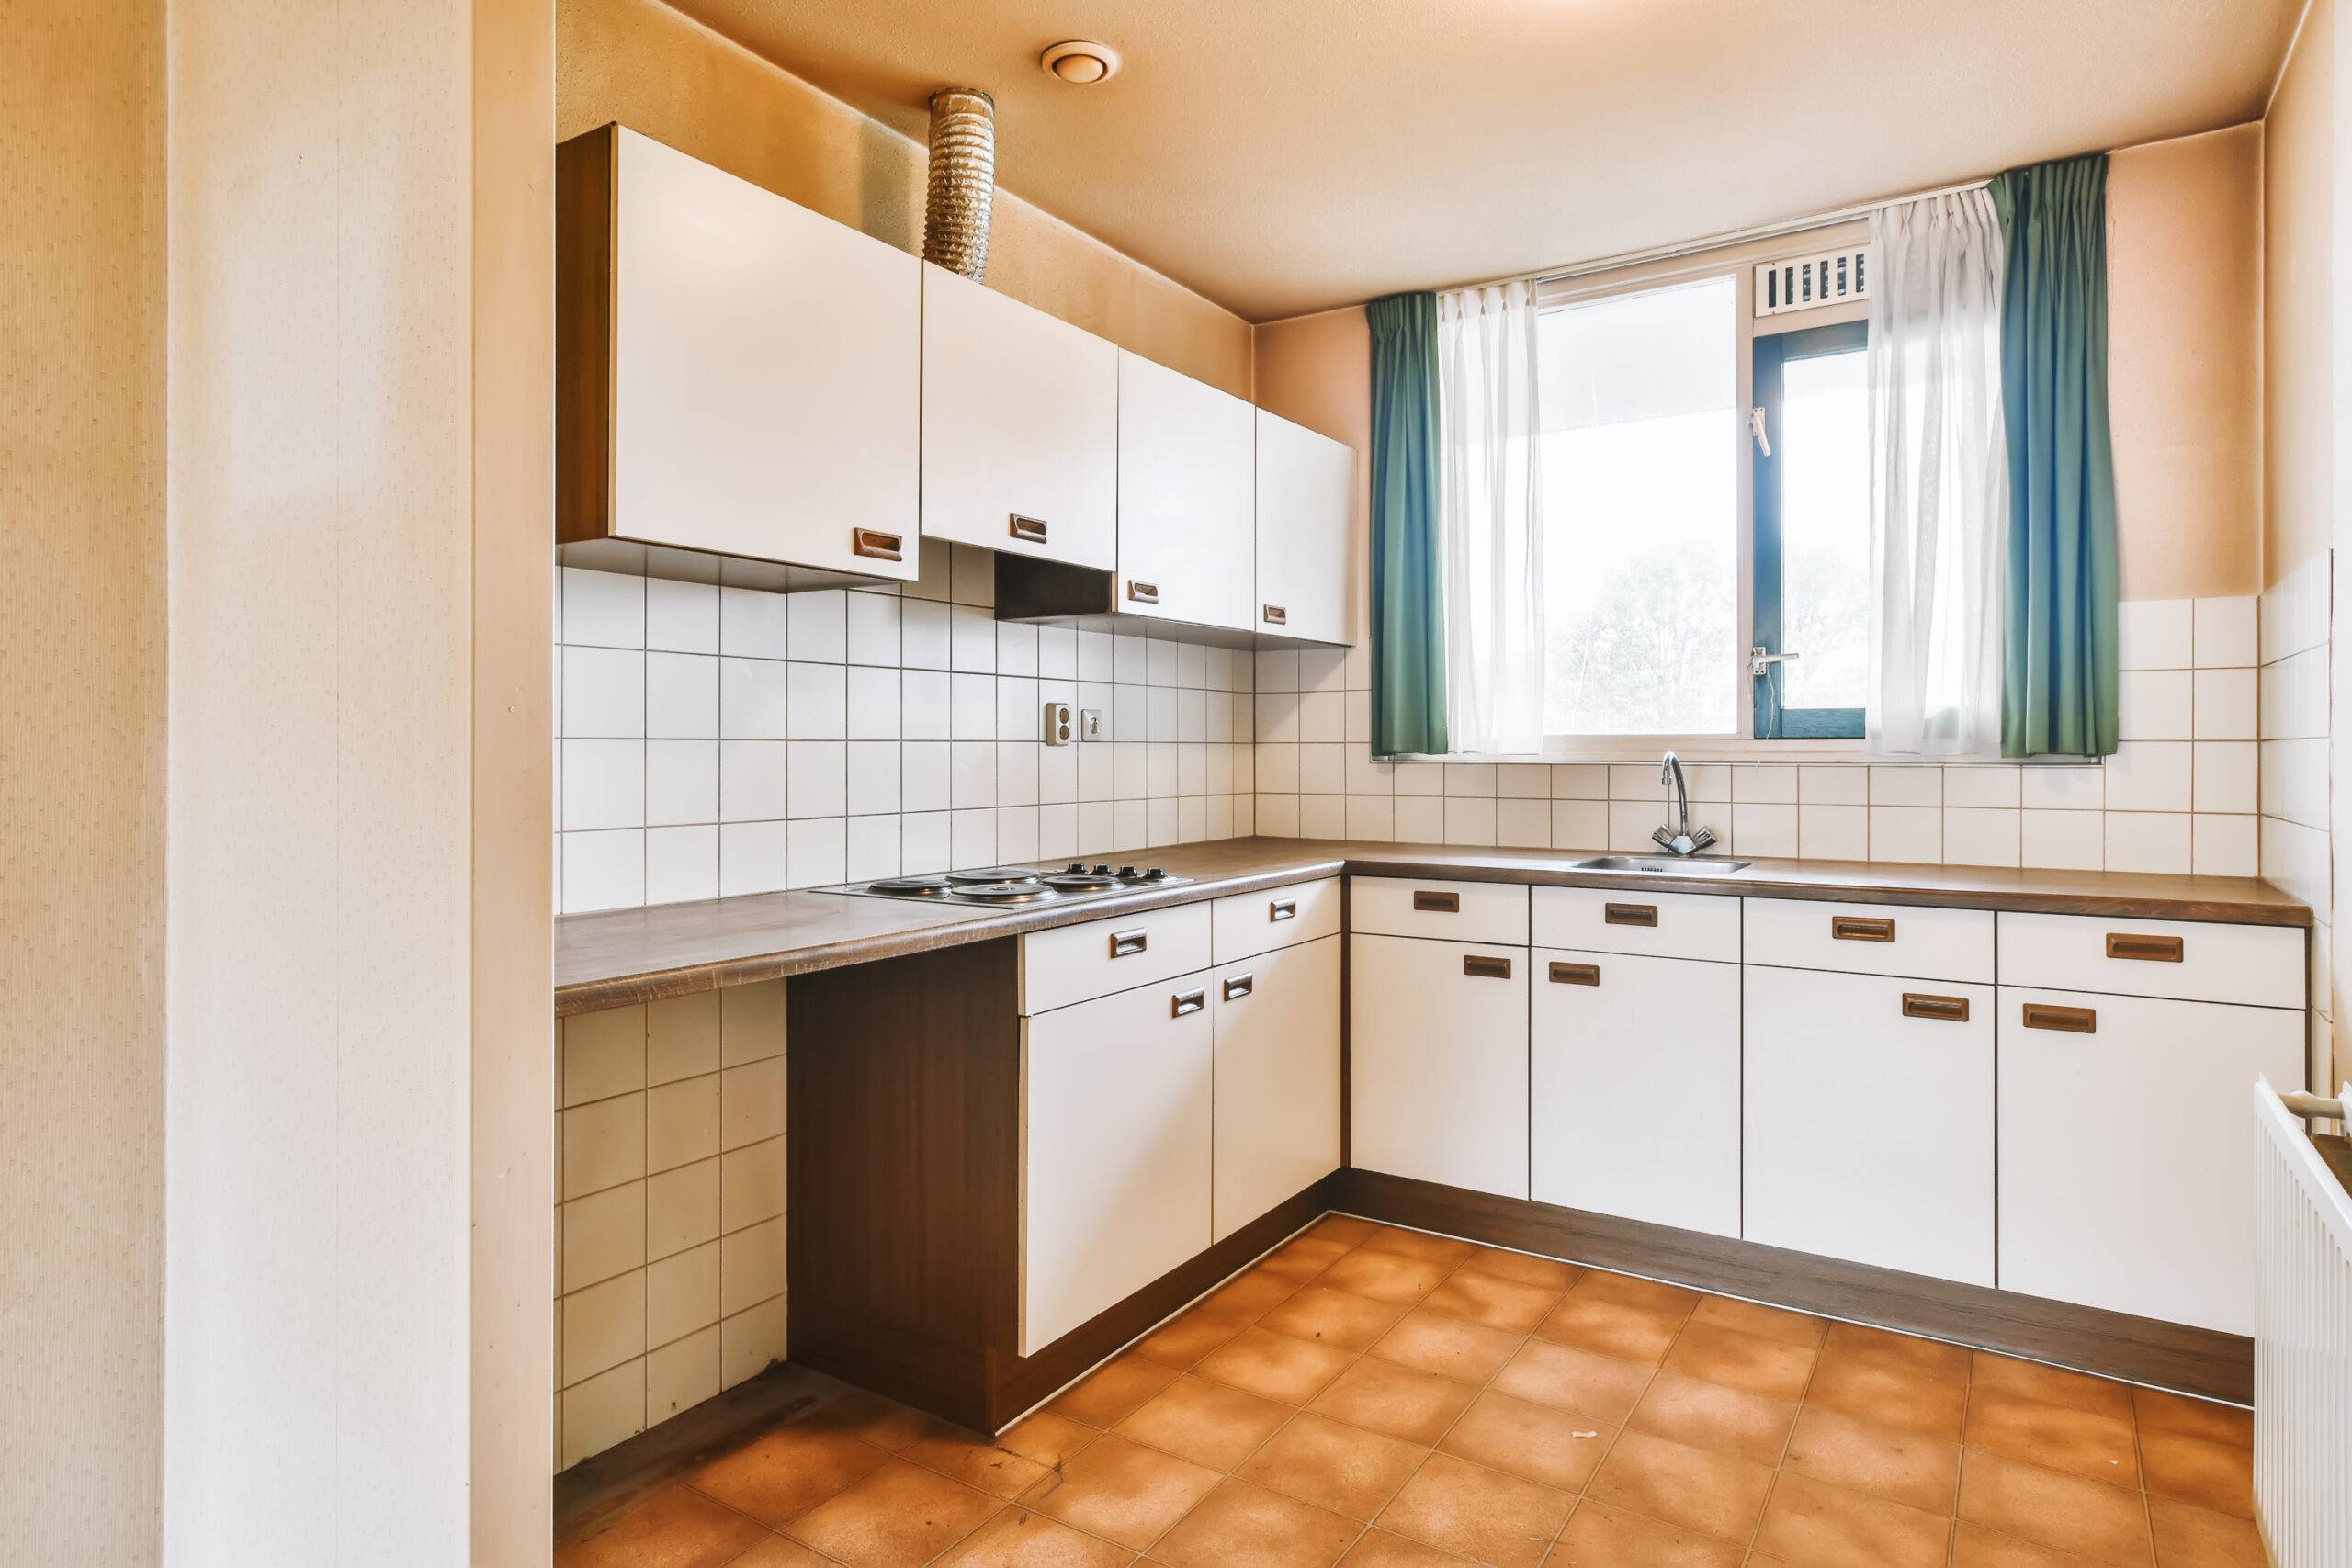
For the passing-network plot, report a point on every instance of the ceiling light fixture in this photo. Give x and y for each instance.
(1081, 64)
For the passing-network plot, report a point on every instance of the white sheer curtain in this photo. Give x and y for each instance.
(1490, 519)
(1939, 493)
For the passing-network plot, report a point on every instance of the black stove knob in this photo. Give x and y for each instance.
(1103, 868)
(1127, 874)
(1075, 868)
(1155, 874)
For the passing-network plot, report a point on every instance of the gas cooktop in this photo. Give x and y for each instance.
(1001, 887)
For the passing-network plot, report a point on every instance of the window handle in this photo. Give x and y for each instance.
(1756, 428)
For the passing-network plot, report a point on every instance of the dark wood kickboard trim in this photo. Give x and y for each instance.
(2110, 1344)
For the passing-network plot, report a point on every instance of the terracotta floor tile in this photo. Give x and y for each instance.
(1599, 1387)
(1736, 1359)
(1379, 1549)
(1400, 1402)
(1275, 1366)
(1248, 1296)
(1499, 1303)
(2052, 1385)
(2162, 1412)
(788, 1472)
(885, 1423)
(1613, 1328)
(1887, 1394)
(1904, 1352)
(1601, 1537)
(1709, 1415)
(1205, 1422)
(1342, 1227)
(1634, 1291)
(778, 1553)
(1974, 1546)
(1478, 1513)
(672, 1529)
(1450, 1347)
(1920, 1470)
(1303, 1257)
(1764, 1321)
(1384, 1276)
(1122, 1490)
(1022, 1538)
(2218, 1477)
(2106, 1524)
(1241, 1526)
(899, 1516)
(1047, 1439)
(1180, 1342)
(1535, 1442)
(1333, 1317)
(2190, 1537)
(1113, 1391)
(1716, 1495)
(2053, 1436)
(977, 1461)
(1822, 1526)
(1440, 1249)
(1520, 1269)
(1334, 1465)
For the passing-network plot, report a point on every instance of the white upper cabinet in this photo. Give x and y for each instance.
(1187, 503)
(1020, 427)
(738, 375)
(1306, 503)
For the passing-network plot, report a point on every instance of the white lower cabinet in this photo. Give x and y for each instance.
(2127, 1150)
(1633, 1082)
(1438, 1051)
(1277, 1080)
(1117, 1127)
(1869, 1120)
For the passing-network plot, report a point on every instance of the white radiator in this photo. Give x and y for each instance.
(2302, 1347)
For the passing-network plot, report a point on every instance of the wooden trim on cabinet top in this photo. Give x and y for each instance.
(2109, 1344)
(585, 206)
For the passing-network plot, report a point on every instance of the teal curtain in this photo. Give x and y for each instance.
(1408, 610)
(2059, 683)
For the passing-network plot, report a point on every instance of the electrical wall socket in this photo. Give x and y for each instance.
(1057, 732)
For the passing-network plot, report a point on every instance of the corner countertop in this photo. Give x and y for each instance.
(619, 957)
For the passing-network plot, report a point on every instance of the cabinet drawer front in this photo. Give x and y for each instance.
(1452, 911)
(1075, 963)
(1872, 938)
(1660, 925)
(1246, 923)
(2186, 959)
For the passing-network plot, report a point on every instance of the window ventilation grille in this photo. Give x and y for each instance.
(1807, 283)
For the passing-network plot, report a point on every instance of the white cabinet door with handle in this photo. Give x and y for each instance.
(1187, 498)
(1277, 1079)
(1020, 427)
(1634, 1075)
(1869, 1120)
(1116, 1136)
(1437, 1039)
(1305, 523)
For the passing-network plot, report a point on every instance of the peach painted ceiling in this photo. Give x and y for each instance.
(1281, 156)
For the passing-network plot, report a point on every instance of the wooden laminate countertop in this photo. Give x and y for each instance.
(631, 956)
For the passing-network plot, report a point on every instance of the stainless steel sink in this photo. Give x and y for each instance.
(1655, 866)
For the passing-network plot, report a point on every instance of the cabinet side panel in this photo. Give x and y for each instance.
(584, 214)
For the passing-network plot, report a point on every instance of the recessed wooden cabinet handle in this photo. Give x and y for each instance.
(1282, 909)
(1860, 927)
(2150, 948)
(1030, 528)
(1437, 903)
(1946, 1010)
(1126, 944)
(1629, 914)
(1485, 968)
(1239, 986)
(2071, 1020)
(1576, 974)
(1276, 616)
(1183, 1002)
(1143, 593)
(873, 543)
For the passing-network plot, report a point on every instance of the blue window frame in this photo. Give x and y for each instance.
(1773, 617)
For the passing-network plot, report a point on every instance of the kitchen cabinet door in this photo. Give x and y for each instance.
(1115, 1185)
(2127, 1150)
(1437, 1039)
(1305, 517)
(741, 377)
(1633, 1077)
(1277, 1127)
(1020, 427)
(1868, 1120)
(1187, 498)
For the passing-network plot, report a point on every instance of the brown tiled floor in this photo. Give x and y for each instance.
(1393, 1400)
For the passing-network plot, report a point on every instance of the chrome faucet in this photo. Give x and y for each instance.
(1678, 840)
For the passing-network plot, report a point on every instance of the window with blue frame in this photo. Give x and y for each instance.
(1810, 660)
